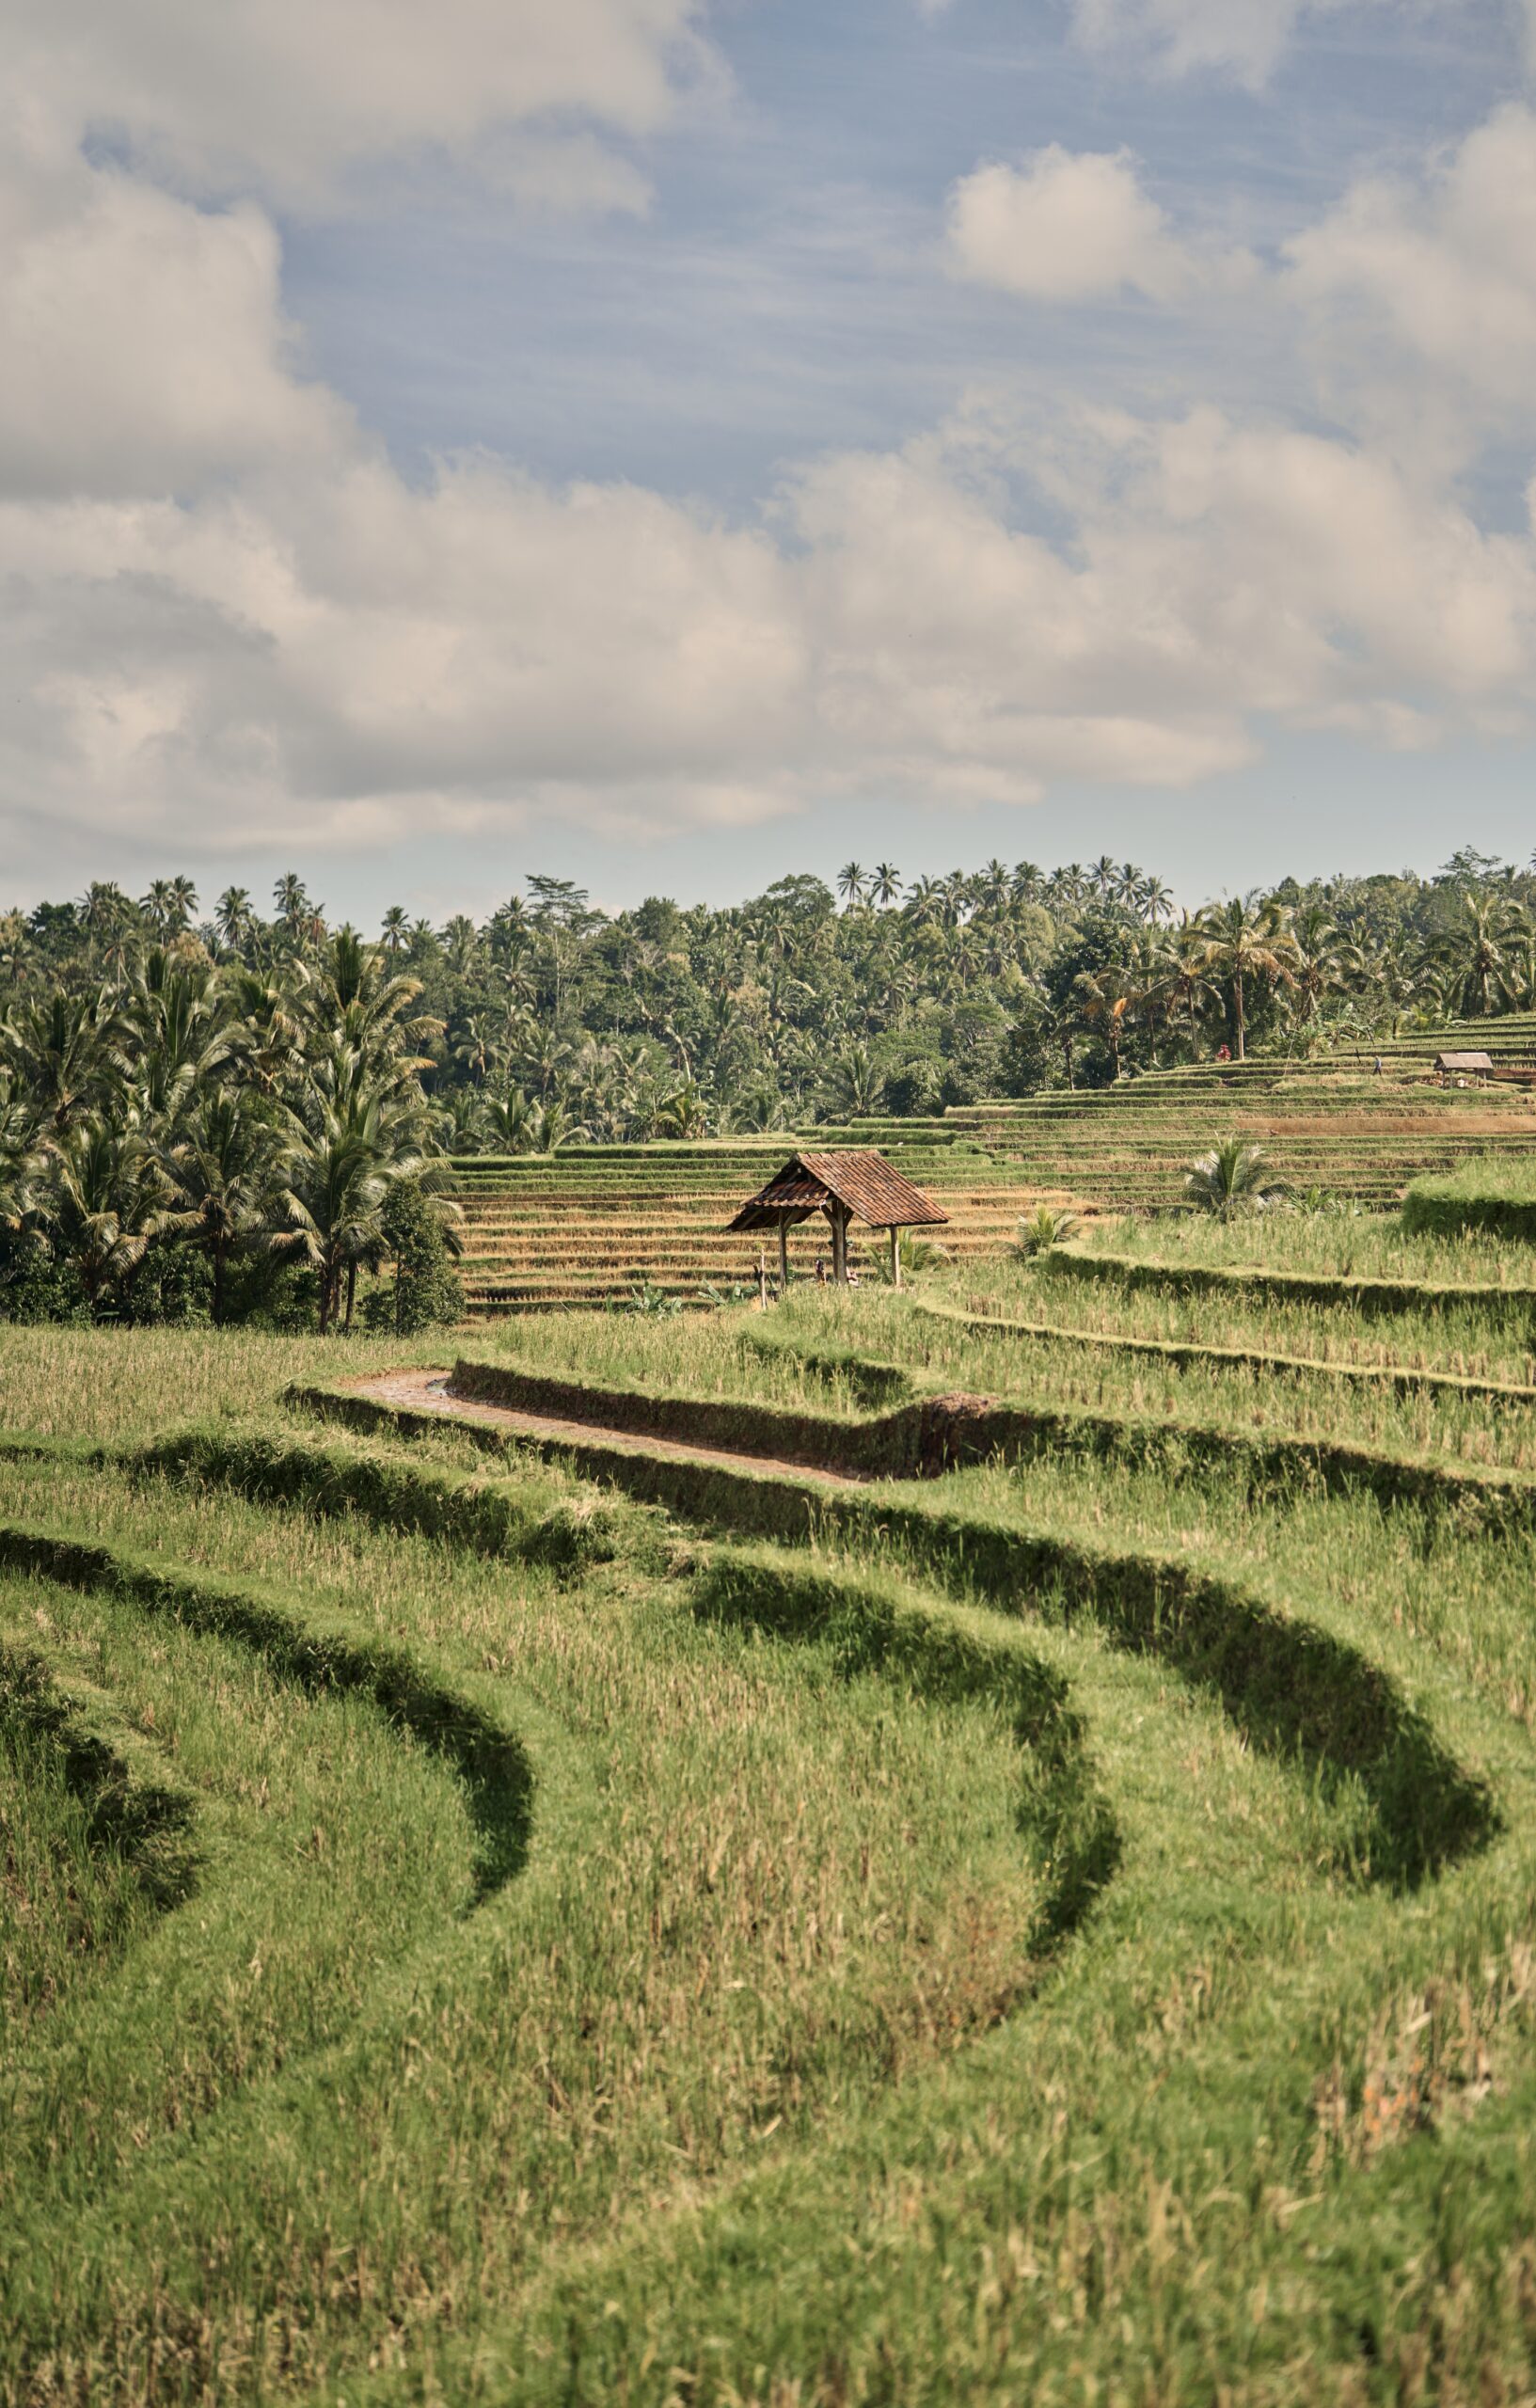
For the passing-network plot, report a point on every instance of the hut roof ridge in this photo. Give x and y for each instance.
(864, 1181)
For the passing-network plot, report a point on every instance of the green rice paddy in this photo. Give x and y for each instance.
(493, 1911)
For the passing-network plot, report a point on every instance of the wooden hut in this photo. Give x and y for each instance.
(1463, 1066)
(846, 1188)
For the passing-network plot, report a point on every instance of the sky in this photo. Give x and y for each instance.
(673, 443)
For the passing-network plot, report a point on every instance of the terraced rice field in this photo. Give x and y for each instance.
(977, 1844)
(590, 1225)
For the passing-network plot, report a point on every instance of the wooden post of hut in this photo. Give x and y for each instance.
(844, 1188)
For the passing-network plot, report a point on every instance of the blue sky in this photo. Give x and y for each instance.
(697, 442)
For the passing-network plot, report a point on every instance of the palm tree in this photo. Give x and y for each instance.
(219, 1172)
(179, 1035)
(1247, 941)
(1325, 961)
(1232, 1180)
(461, 939)
(112, 920)
(1156, 901)
(851, 883)
(333, 1174)
(106, 1199)
(684, 1112)
(21, 1159)
(1479, 954)
(924, 903)
(856, 1087)
(508, 1119)
(396, 933)
(234, 919)
(69, 1053)
(1189, 958)
(169, 906)
(1101, 999)
(886, 885)
(296, 914)
(266, 1036)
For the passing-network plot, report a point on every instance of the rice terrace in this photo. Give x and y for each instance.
(963, 1836)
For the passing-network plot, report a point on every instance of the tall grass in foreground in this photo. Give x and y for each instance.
(916, 1988)
(764, 1883)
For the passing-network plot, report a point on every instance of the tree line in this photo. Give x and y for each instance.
(244, 1114)
(232, 1140)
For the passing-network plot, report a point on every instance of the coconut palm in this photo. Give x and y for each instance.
(925, 905)
(106, 1201)
(851, 883)
(333, 1172)
(1048, 1225)
(684, 1112)
(234, 921)
(508, 1119)
(1325, 961)
(69, 1052)
(1245, 942)
(1479, 956)
(180, 1033)
(855, 1086)
(1232, 1180)
(219, 1173)
(1101, 999)
(885, 883)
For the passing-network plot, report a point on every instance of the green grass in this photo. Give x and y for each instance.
(1493, 1197)
(1347, 1243)
(1065, 1935)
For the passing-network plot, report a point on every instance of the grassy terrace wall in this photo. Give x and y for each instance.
(1360, 1296)
(1493, 1195)
(921, 1441)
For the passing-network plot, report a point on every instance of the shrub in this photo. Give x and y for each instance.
(426, 1290)
(1234, 1180)
(1048, 1225)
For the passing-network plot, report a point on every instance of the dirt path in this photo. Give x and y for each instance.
(429, 1392)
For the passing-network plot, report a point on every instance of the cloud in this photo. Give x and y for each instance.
(340, 659)
(144, 340)
(1437, 271)
(1071, 227)
(1244, 39)
(285, 97)
(227, 617)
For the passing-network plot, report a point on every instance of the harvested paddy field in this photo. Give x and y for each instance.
(977, 1843)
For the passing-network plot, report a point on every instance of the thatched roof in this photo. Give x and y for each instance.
(1463, 1061)
(863, 1182)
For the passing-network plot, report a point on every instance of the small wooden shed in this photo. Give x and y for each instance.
(1464, 1066)
(845, 1187)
